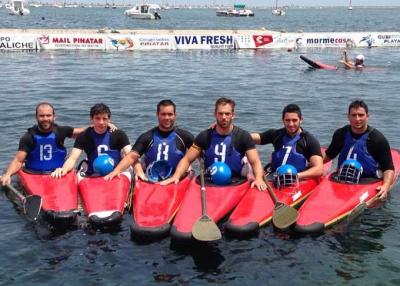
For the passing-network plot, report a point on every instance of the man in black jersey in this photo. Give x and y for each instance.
(163, 142)
(224, 143)
(364, 143)
(293, 145)
(95, 141)
(41, 149)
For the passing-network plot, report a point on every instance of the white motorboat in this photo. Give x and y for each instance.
(237, 11)
(144, 11)
(17, 8)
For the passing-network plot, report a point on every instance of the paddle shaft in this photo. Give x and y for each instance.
(18, 193)
(203, 189)
(271, 192)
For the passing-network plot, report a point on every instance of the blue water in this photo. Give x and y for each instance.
(365, 252)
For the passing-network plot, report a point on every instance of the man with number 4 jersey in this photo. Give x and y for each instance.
(163, 142)
(97, 140)
(293, 145)
(41, 149)
(223, 143)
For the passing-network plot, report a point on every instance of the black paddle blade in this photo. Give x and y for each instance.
(32, 206)
(205, 229)
(284, 215)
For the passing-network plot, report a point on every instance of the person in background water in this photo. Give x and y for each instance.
(293, 145)
(163, 142)
(95, 141)
(225, 143)
(358, 64)
(41, 149)
(364, 143)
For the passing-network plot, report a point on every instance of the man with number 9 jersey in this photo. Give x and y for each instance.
(41, 149)
(223, 143)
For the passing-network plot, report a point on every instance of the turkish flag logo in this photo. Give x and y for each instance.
(261, 40)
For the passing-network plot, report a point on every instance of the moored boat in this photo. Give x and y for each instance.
(17, 8)
(59, 195)
(237, 11)
(144, 11)
(256, 208)
(104, 201)
(333, 201)
(220, 201)
(154, 207)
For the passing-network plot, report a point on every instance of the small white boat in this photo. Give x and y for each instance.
(237, 11)
(17, 8)
(350, 7)
(144, 11)
(278, 11)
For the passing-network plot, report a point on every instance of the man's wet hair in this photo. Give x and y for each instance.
(165, 102)
(291, 108)
(44, 103)
(100, 108)
(358, 104)
(225, 101)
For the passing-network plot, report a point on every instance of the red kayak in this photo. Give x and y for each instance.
(59, 196)
(256, 208)
(154, 207)
(220, 201)
(333, 201)
(318, 65)
(104, 201)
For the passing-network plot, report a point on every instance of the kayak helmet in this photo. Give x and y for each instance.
(158, 171)
(286, 176)
(360, 58)
(350, 171)
(220, 173)
(103, 164)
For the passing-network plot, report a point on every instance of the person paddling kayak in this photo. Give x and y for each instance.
(224, 143)
(358, 64)
(365, 144)
(41, 149)
(293, 145)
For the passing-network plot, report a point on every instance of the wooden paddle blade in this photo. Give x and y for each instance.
(356, 212)
(284, 215)
(205, 229)
(32, 206)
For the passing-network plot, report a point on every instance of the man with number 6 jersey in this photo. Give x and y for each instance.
(223, 143)
(163, 142)
(293, 145)
(41, 149)
(95, 141)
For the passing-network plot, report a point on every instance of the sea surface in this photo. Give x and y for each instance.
(364, 252)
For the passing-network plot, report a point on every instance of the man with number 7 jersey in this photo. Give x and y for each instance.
(224, 143)
(41, 149)
(163, 142)
(293, 145)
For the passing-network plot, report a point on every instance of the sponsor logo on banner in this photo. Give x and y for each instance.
(368, 39)
(71, 42)
(44, 39)
(322, 42)
(154, 42)
(262, 40)
(390, 39)
(212, 42)
(16, 43)
(122, 43)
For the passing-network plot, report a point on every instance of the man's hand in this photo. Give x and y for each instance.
(5, 180)
(168, 181)
(383, 192)
(259, 184)
(58, 173)
(111, 175)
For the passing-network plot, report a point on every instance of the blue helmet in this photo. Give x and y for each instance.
(286, 176)
(220, 173)
(350, 171)
(103, 164)
(158, 171)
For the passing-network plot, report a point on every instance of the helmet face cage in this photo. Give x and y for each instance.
(287, 180)
(350, 173)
